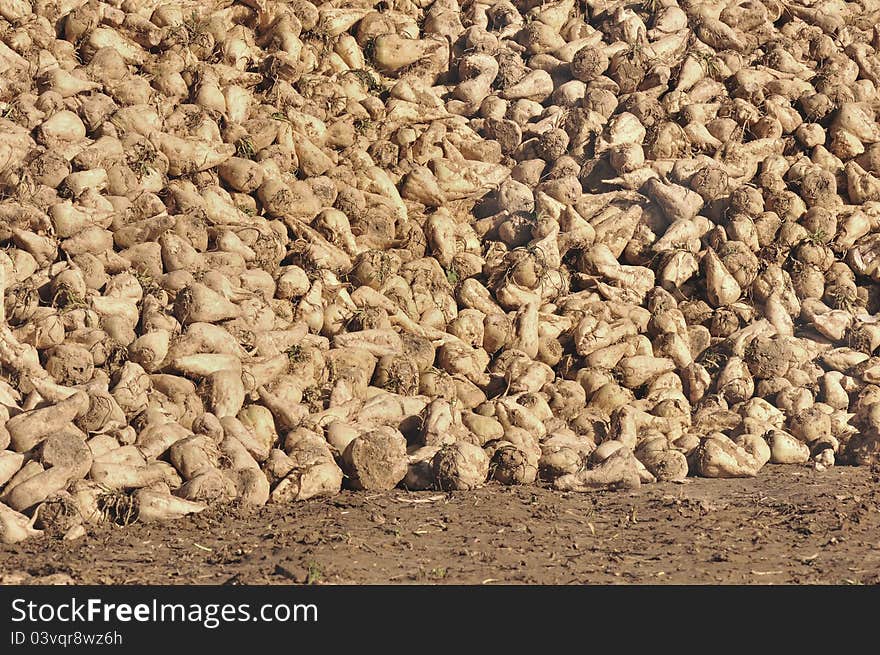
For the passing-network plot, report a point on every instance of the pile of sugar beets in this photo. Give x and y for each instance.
(259, 250)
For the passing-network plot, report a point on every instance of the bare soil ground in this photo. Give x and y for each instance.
(790, 525)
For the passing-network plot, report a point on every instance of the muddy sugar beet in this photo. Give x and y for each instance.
(258, 253)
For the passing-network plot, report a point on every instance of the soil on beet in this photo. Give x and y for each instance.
(790, 525)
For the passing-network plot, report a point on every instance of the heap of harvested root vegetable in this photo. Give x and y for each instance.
(255, 251)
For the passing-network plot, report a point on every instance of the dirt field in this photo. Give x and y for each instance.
(790, 525)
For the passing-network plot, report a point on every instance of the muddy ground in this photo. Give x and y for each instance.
(790, 525)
